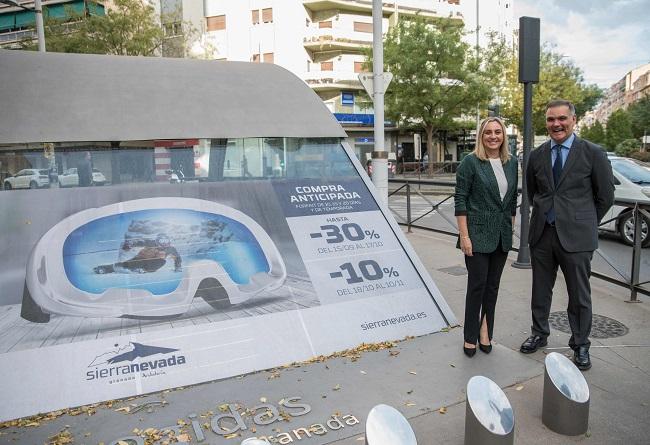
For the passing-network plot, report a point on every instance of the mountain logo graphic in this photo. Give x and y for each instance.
(128, 353)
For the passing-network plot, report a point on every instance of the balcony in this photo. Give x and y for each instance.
(332, 80)
(333, 39)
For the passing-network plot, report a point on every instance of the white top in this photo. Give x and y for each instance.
(497, 167)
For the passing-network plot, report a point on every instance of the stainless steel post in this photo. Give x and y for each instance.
(379, 154)
(40, 29)
(636, 254)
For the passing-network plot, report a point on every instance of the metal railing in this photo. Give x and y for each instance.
(640, 210)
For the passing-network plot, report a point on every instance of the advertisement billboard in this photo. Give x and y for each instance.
(269, 251)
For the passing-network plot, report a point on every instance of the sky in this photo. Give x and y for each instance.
(605, 38)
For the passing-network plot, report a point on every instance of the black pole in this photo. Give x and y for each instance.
(523, 257)
(528, 75)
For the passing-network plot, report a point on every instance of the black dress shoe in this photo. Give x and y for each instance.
(469, 351)
(485, 348)
(581, 358)
(532, 343)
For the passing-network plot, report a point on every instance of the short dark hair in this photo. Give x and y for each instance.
(561, 103)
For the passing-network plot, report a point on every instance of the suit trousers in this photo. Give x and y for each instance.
(483, 278)
(546, 255)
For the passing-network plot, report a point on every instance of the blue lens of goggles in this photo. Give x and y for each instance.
(149, 249)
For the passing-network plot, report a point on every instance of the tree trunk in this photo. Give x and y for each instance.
(430, 150)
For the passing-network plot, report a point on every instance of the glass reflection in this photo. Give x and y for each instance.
(387, 426)
(490, 405)
(91, 164)
(566, 377)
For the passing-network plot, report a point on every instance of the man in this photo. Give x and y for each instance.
(85, 171)
(571, 187)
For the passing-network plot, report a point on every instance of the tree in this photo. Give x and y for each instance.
(436, 77)
(595, 133)
(628, 146)
(639, 113)
(619, 128)
(130, 29)
(558, 78)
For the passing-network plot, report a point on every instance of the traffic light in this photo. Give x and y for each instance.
(493, 110)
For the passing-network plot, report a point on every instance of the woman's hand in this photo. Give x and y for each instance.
(466, 245)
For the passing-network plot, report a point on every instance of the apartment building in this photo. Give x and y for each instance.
(17, 23)
(629, 89)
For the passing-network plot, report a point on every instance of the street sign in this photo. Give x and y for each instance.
(367, 80)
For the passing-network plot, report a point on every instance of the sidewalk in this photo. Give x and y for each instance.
(418, 377)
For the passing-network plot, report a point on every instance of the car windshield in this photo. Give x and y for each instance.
(631, 171)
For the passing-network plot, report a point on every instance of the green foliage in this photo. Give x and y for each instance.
(619, 128)
(595, 133)
(437, 77)
(130, 29)
(558, 78)
(640, 117)
(628, 146)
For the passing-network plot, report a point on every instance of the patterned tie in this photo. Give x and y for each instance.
(557, 171)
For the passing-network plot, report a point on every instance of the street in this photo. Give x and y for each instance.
(613, 258)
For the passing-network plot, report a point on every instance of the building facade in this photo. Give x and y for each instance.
(17, 24)
(631, 88)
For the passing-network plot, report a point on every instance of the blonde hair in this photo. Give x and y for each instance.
(479, 150)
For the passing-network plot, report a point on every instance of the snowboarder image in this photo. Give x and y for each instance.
(143, 256)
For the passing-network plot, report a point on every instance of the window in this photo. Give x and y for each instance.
(358, 67)
(363, 27)
(268, 57)
(327, 24)
(347, 98)
(327, 66)
(255, 14)
(267, 15)
(216, 23)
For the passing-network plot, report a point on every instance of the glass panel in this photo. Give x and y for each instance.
(91, 164)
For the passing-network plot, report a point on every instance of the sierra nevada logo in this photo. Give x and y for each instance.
(123, 363)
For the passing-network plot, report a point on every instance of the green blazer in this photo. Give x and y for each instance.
(489, 218)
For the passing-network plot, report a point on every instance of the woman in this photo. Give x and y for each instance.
(486, 204)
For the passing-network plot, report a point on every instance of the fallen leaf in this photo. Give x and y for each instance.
(452, 365)
(413, 372)
(263, 399)
(442, 410)
(409, 404)
(363, 372)
(124, 409)
(519, 388)
(337, 387)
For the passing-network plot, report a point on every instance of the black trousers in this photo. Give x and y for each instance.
(546, 255)
(483, 278)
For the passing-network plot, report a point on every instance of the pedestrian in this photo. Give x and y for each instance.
(85, 171)
(571, 187)
(485, 208)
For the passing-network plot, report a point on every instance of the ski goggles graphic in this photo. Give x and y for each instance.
(149, 258)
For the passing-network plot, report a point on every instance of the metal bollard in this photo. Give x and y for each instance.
(566, 396)
(387, 426)
(489, 419)
(254, 441)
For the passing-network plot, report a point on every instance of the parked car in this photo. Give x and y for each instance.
(632, 182)
(70, 178)
(28, 178)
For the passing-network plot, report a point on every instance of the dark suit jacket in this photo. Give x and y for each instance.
(581, 198)
(489, 218)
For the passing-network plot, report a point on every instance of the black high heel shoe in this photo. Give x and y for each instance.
(469, 351)
(485, 348)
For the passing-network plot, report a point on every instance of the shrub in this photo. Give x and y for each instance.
(628, 146)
